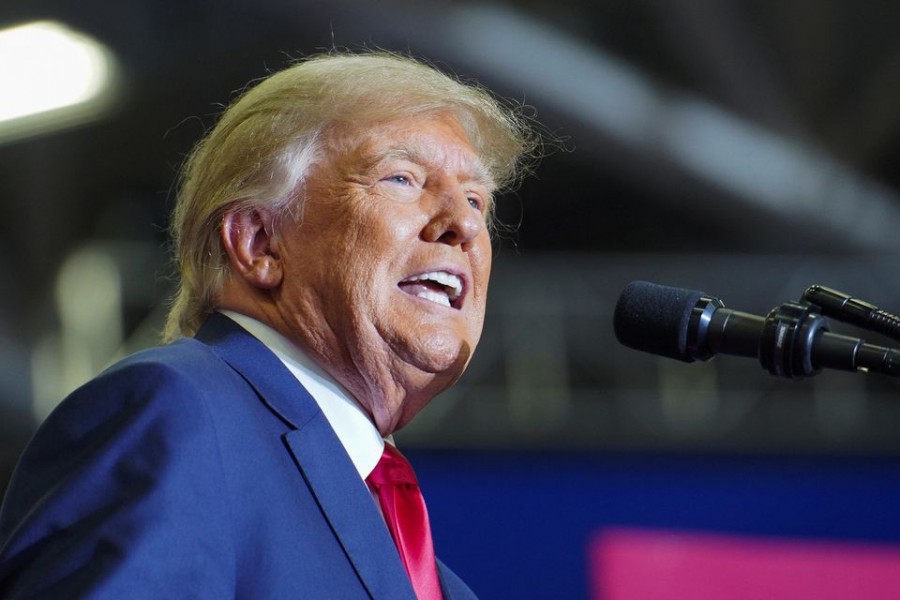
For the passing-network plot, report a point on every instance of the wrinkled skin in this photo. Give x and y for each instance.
(404, 198)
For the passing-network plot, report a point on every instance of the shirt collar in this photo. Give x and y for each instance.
(355, 431)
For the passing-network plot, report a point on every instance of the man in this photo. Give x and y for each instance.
(332, 233)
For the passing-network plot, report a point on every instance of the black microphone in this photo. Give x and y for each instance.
(792, 341)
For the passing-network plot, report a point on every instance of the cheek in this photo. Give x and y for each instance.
(364, 271)
(400, 228)
(481, 260)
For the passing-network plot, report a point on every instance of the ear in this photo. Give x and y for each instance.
(247, 235)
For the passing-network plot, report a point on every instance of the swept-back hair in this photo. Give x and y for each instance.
(265, 143)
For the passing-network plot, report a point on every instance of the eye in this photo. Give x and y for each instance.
(400, 179)
(479, 201)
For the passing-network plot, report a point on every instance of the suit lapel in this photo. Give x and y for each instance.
(344, 499)
(347, 504)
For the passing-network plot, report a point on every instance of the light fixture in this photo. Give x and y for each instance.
(53, 77)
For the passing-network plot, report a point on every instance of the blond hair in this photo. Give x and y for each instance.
(267, 140)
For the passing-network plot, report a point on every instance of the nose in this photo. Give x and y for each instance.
(454, 220)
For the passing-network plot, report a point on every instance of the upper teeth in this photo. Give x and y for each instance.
(442, 277)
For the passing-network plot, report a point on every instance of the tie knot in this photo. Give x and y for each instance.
(392, 469)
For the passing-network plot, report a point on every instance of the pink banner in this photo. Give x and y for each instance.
(628, 564)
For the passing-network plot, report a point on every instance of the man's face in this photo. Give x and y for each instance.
(386, 272)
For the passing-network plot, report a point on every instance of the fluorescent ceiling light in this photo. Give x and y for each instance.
(52, 77)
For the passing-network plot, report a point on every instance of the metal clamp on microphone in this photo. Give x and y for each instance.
(788, 340)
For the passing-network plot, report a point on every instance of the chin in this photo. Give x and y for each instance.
(440, 353)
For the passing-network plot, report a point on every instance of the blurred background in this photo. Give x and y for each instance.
(745, 148)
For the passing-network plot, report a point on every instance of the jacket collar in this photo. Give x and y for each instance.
(274, 384)
(343, 497)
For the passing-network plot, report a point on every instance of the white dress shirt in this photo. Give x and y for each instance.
(353, 428)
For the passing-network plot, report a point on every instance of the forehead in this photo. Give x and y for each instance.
(435, 141)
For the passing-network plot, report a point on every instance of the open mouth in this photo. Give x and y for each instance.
(440, 287)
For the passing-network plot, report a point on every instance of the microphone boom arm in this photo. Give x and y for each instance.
(844, 307)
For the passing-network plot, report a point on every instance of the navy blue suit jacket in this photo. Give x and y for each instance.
(201, 469)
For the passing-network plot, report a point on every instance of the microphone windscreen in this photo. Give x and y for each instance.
(655, 318)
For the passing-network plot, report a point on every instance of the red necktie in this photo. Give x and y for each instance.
(404, 511)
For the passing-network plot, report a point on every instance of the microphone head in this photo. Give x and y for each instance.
(655, 318)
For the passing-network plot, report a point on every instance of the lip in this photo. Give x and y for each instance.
(456, 304)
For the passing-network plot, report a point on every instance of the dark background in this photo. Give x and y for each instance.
(747, 148)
